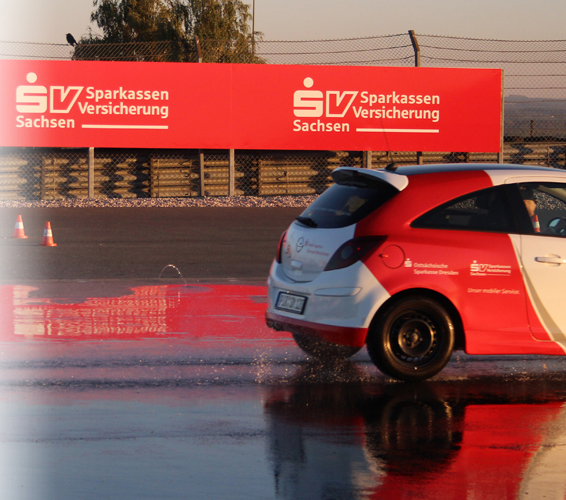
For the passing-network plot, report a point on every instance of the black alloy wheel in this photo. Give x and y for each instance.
(412, 339)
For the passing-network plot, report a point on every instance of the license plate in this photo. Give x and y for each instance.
(291, 303)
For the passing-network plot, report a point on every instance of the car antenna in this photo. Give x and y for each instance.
(391, 167)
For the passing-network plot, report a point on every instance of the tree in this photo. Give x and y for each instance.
(166, 30)
(223, 26)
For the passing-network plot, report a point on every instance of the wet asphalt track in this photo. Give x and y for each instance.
(137, 243)
(118, 384)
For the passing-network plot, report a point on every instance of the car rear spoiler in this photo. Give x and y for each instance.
(348, 175)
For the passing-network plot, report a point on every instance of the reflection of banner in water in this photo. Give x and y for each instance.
(148, 312)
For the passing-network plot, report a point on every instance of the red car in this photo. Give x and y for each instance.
(416, 262)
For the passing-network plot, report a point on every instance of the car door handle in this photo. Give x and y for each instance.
(550, 260)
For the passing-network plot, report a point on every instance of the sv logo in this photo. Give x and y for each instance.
(479, 268)
(37, 98)
(311, 103)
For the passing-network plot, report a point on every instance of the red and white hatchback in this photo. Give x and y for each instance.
(419, 261)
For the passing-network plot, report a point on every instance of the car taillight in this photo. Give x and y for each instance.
(352, 251)
(280, 247)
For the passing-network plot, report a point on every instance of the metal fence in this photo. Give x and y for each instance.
(535, 70)
(390, 50)
(54, 174)
(535, 119)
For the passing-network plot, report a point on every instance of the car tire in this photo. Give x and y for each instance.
(412, 338)
(322, 350)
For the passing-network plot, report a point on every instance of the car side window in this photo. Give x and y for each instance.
(485, 210)
(545, 203)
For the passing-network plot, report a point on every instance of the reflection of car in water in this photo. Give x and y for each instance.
(316, 436)
(416, 262)
(344, 438)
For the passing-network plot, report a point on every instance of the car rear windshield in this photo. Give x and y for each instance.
(345, 204)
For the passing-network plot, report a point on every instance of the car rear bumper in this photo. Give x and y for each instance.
(339, 304)
(354, 337)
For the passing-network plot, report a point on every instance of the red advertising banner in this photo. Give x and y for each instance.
(242, 106)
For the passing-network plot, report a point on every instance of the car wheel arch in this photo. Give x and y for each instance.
(460, 337)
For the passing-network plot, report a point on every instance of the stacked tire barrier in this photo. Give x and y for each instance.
(53, 174)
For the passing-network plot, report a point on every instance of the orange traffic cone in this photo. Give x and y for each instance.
(48, 236)
(19, 229)
(536, 224)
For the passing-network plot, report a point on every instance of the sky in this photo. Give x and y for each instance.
(47, 21)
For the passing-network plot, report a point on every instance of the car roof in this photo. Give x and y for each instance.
(466, 167)
(398, 177)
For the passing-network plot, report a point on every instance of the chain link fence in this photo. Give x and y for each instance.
(535, 119)
(535, 79)
(54, 174)
(390, 50)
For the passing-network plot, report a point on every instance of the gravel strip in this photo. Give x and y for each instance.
(215, 201)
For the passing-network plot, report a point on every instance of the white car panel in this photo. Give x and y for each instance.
(354, 307)
(307, 250)
(544, 268)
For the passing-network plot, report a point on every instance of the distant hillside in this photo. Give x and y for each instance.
(531, 117)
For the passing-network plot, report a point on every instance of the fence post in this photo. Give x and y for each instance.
(199, 51)
(231, 173)
(43, 188)
(368, 157)
(91, 172)
(200, 152)
(500, 156)
(153, 177)
(201, 171)
(417, 50)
